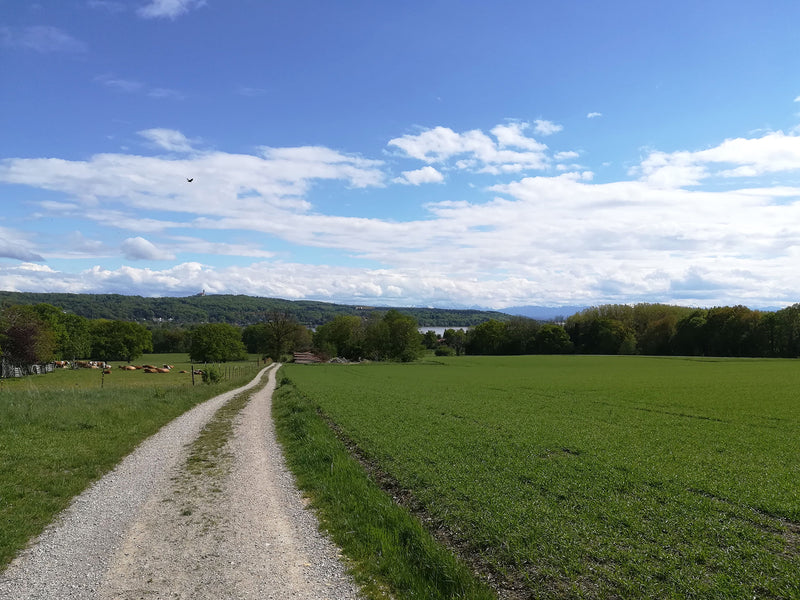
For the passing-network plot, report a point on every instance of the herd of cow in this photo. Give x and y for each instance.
(94, 364)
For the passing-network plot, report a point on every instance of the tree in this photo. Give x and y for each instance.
(520, 335)
(552, 339)
(71, 332)
(730, 331)
(455, 339)
(657, 336)
(279, 334)
(254, 338)
(343, 336)
(430, 340)
(281, 328)
(689, 338)
(394, 337)
(170, 339)
(119, 340)
(787, 332)
(78, 340)
(25, 337)
(600, 335)
(216, 342)
(488, 337)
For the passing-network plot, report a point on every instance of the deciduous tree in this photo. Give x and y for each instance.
(216, 342)
(119, 340)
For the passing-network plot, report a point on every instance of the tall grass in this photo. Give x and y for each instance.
(588, 476)
(61, 431)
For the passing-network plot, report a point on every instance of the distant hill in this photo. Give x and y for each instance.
(234, 309)
(543, 313)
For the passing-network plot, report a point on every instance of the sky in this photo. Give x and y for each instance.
(423, 153)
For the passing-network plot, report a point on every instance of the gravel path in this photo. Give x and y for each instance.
(148, 530)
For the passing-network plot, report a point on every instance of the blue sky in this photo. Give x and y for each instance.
(435, 153)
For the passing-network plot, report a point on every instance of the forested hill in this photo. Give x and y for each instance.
(237, 310)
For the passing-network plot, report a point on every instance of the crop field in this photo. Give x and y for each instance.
(61, 431)
(597, 477)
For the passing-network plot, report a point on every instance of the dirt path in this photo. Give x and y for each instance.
(239, 533)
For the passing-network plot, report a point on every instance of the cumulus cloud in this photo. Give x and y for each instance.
(41, 38)
(546, 127)
(663, 234)
(168, 8)
(138, 248)
(168, 139)
(594, 115)
(419, 176)
(740, 157)
(567, 155)
(135, 191)
(509, 152)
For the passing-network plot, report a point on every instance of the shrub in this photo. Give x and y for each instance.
(211, 375)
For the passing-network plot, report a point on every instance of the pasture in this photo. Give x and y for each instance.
(61, 431)
(593, 477)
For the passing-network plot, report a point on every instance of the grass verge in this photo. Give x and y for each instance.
(208, 458)
(57, 436)
(391, 554)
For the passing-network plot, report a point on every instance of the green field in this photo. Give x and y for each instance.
(61, 431)
(584, 476)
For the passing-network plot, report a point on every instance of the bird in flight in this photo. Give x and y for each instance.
(190, 179)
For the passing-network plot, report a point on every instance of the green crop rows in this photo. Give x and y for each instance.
(585, 476)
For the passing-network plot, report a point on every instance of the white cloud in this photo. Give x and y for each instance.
(168, 8)
(168, 139)
(41, 38)
(138, 248)
(14, 244)
(666, 236)
(512, 136)
(741, 157)
(135, 191)
(567, 155)
(479, 151)
(419, 176)
(546, 127)
(594, 115)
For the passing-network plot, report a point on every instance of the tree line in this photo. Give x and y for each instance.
(650, 329)
(41, 333)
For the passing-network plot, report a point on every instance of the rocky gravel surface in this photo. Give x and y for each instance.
(151, 530)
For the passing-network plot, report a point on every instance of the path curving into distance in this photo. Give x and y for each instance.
(148, 530)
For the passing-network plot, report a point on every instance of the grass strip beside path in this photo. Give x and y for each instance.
(390, 553)
(208, 459)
